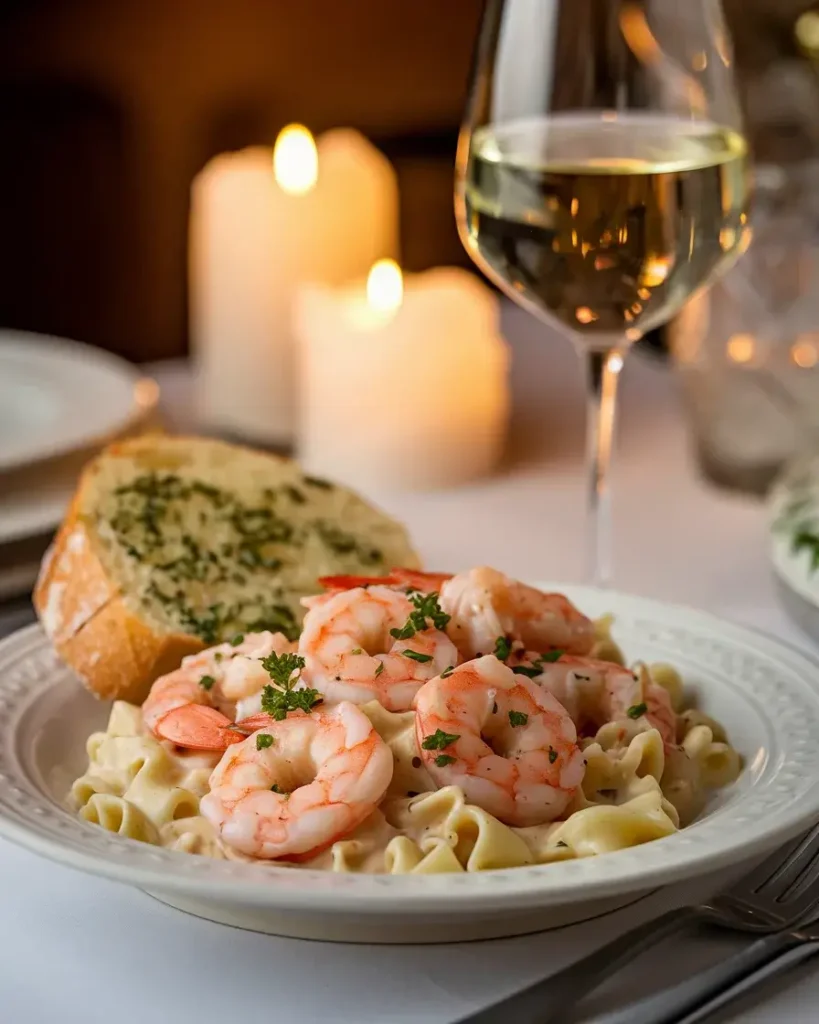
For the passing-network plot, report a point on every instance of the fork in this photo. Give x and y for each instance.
(773, 896)
(697, 998)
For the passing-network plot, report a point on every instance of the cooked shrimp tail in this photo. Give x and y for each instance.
(198, 727)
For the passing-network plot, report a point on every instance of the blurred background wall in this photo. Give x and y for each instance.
(108, 108)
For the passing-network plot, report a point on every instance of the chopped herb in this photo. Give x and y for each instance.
(425, 606)
(526, 670)
(275, 788)
(294, 494)
(316, 481)
(277, 703)
(415, 656)
(238, 639)
(356, 650)
(549, 656)
(442, 760)
(552, 755)
(439, 739)
(447, 672)
(416, 762)
(379, 670)
(207, 682)
(343, 543)
(277, 700)
(280, 668)
(637, 710)
(263, 740)
(502, 648)
(218, 656)
(518, 718)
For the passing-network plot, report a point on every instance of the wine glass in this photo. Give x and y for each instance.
(602, 179)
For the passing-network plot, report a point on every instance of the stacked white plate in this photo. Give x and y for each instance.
(59, 401)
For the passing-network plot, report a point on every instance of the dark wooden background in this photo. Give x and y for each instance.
(108, 108)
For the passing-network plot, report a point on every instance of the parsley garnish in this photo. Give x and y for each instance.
(442, 760)
(637, 710)
(379, 670)
(280, 698)
(356, 650)
(275, 788)
(238, 639)
(502, 648)
(526, 670)
(263, 740)
(415, 656)
(550, 656)
(425, 607)
(207, 682)
(447, 672)
(518, 718)
(536, 668)
(440, 739)
(280, 668)
(552, 755)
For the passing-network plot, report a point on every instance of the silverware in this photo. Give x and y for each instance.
(774, 896)
(697, 998)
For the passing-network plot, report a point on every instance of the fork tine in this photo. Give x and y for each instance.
(803, 888)
(782, 868)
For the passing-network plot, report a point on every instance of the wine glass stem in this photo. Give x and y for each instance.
(604, 365)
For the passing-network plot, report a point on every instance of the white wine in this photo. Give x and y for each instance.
(608, 222)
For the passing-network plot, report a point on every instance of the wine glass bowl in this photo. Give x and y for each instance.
(602, 176)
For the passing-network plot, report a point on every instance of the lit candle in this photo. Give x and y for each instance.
(403, 383)
(261, 222)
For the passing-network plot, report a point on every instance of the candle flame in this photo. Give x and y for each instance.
(741, 348)
(385, 286)
(295, 160)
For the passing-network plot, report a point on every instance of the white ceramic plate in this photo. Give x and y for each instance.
(766, 693)
(58, 395)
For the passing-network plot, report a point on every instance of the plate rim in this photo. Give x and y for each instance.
(81, 352)
(324, 891)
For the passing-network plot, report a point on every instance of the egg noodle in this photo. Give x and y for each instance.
(634, 790)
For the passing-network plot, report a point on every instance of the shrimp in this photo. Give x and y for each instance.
(602, 691)
(413, 579)
(296, 786)
(505, 741)
(484, 605)
(195, 705)
(350, 653)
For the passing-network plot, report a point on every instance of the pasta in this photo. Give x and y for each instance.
(443, 724)
(634, 790)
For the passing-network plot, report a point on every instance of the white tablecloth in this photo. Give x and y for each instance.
(76, 948)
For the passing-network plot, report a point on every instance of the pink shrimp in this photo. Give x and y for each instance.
(298, 785)
(195, 705)
(415, 579)
(602, 691)
(352, 652)
(484, 605)
(505, 741)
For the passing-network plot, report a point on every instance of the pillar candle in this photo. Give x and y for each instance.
(262, 221)
(402, 391)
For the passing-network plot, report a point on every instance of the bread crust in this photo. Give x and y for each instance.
(115, 654)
